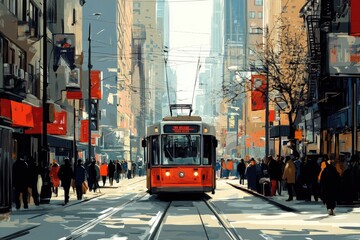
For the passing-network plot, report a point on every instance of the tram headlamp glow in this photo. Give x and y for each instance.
(205, 130)
(156, 129)
(167, 174)
(196, 174)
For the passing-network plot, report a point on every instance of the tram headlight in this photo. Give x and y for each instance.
(156, 129)
(205, 130)
(196, 174)
(167, 173)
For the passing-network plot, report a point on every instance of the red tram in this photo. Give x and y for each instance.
(180, 155)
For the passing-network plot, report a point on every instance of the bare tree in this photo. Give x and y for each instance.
(283, 58)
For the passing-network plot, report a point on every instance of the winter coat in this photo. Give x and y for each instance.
(252, 176)
(20, 173)
(111, 169)
(54, 175)
(289, 172)
(65, 174)
(103, 170)
(329, 183)
(241, 167)
(80, 175)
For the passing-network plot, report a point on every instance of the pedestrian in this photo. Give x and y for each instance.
(217, 169)
(118, 170)
(252, 175)
(111, 172)
(274, 170)
(97, 169)
(80, 177)
(55, 181)
(329, 186)
(20, 180)
(34, 174)
(104, 172)
(124, 167)
(133, 169)
(241, 170)
(92, 179)
(66, 174)
(289, 176)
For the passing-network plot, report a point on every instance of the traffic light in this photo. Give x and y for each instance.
(94, 115)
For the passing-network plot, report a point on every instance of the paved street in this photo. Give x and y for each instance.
(251, 214)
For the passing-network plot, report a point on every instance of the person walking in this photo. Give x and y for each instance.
(104, 172)
(20, 180)
(92, 179)
(34, 172)
(329, 186)
(111, 172)
(118, 170)
(80, 177)
(252, 175)
(241, 170)
(55, 181)
(289, 176)
(66, 174)
(274, 173)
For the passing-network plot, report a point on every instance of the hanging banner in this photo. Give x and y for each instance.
(73, 79)
(96, 77)
(74, 94)
(354, 18)
(271, 115)
(64, 48)
(59, 126)
(19, 113)
(258, 88)
(343, 54)
(84, 130)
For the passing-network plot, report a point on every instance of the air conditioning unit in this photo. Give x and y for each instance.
(21, 74)
(26, 77)
(8, 70)
(15, 70)
(9, 83)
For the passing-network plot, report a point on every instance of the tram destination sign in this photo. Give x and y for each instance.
(181, 128)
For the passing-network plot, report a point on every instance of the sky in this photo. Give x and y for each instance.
(190, 22)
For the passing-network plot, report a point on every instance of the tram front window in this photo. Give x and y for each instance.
(181, 149)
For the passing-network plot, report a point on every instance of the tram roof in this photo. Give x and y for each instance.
(182, 118)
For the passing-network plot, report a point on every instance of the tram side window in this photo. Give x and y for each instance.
(155, 154)
(208, 150)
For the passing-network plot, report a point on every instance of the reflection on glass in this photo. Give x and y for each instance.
(180, 149)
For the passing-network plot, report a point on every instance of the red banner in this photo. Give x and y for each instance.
(354, 18)
(20, 113)
(95, 77)
(74, 94)
(84, 130)
(258, 88)
(271, 115)
(59, 126)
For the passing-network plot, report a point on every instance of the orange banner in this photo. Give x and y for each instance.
(95, 77)
(271, 115)
(73, 94)
(84, 130)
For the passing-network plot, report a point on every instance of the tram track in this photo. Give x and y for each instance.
(84, 228)
(204, 210)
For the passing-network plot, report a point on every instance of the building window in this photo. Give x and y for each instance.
(258, 2)
(252, 14)
(260, 15)
(51, 11)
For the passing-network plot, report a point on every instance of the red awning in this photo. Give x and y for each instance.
(20, 113)
(58, 127)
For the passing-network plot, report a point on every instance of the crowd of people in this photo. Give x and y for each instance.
(305, 178)
(28, 177)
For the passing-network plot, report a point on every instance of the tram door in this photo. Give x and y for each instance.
(7, 153)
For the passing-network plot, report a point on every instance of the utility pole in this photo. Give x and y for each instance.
(267, 96)
(45, 194)
(89, 96)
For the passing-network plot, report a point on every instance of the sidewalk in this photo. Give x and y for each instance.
(298, 206)
(18, 222)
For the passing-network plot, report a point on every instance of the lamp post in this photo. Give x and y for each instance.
(266, 96)
(89, 96)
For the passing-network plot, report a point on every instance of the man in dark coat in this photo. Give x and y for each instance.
(80, 176)
(252, 174)
(66, 174)
(34, 172)
(111, 172)
(241, 170)
(20, 173)
(329, 182)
